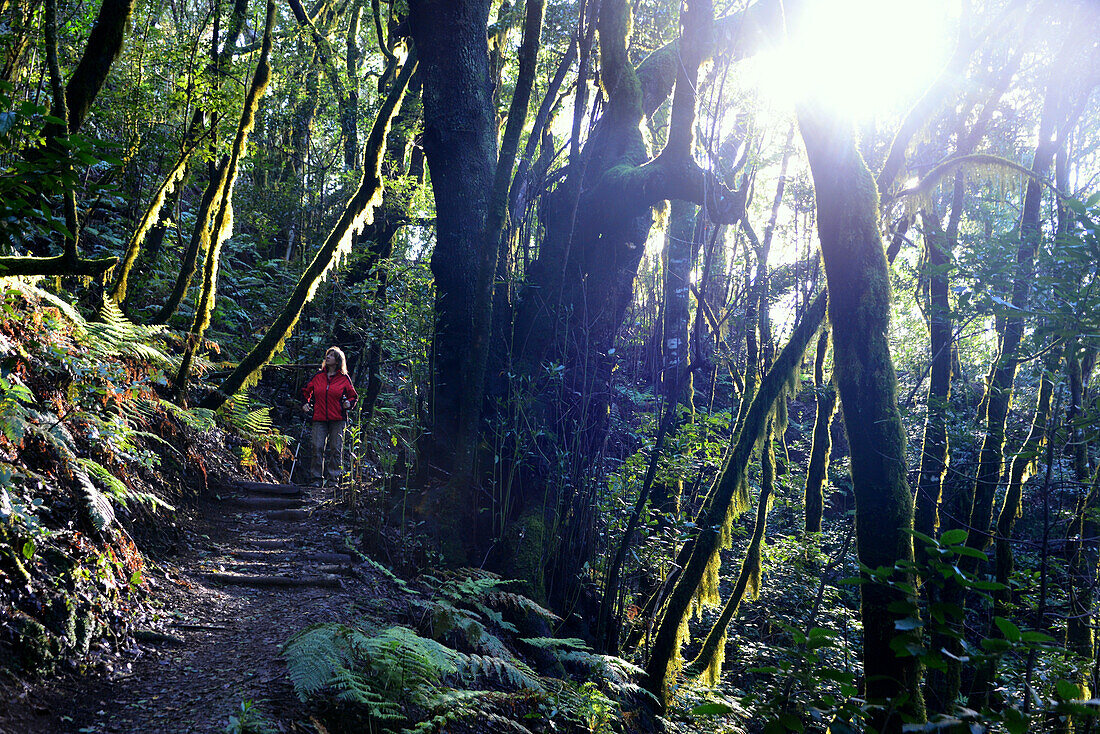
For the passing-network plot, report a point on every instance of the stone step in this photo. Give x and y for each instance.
(337, 558)
(273, 543)
(266, 503)
(266, 581)
(266, 488)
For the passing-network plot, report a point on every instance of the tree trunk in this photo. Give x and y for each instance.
(460, 146)
(859, 311)
(223, 221)
(817, 472)
(103, 46)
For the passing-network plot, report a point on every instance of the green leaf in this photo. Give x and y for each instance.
(792, 722)
(1010, 631)
(28, 549)
(1066, 690)
(965, 550)
(953, 537)
(909, 623)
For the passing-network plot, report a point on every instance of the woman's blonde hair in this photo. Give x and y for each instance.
(341, 360)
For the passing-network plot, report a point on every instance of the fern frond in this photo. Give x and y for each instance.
(118, 490)
(512, 672)
(197, 419)
(115, 335)
(100, 511)
(512, 600)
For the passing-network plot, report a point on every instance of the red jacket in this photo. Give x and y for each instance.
(325, 393)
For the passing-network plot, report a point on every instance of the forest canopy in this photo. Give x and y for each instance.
(753, 338)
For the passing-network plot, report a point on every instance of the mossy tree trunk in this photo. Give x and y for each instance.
(103, 47)
(708, 663)
(223, 220)
(859, 312)
(817, 472)
(200, 235)
(727, 498)
(357, 213)
(462, 487)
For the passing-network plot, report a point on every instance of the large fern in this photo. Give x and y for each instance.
(396, 675)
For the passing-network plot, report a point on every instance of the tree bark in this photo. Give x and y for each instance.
(859, 311)
(934, 447)
(103, 46)
(821, 444)
(460, 146)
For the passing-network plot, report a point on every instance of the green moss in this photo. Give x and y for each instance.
(525, 546)
(36, 648)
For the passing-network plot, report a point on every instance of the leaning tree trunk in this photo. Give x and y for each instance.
(708, 663)
(858, 279)
(357, 213)
(103, 46)
(727, 498)
(223, 222)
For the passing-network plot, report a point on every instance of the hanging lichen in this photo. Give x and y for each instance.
(728, 493)
(223, 223)
(358, 212)
(152, 214)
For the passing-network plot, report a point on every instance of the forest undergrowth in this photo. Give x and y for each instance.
(117, 519)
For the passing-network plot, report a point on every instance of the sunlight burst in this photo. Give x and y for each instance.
(860, 57)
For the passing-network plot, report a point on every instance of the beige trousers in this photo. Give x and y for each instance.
(328, 450)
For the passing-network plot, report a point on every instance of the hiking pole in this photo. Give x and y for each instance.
(301, 438)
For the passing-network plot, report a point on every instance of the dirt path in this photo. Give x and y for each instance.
(216, 642)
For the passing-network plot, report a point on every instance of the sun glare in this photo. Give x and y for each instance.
(860, 57)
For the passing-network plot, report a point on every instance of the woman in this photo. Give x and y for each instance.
(329, 395)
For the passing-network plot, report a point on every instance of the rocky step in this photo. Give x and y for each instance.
(283, 554)
(266, 503)
(273, 543)
(267, 581)
(335, 558)
(265, 488)
(272, 556)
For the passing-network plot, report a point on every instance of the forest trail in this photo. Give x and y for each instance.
(270, 562)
